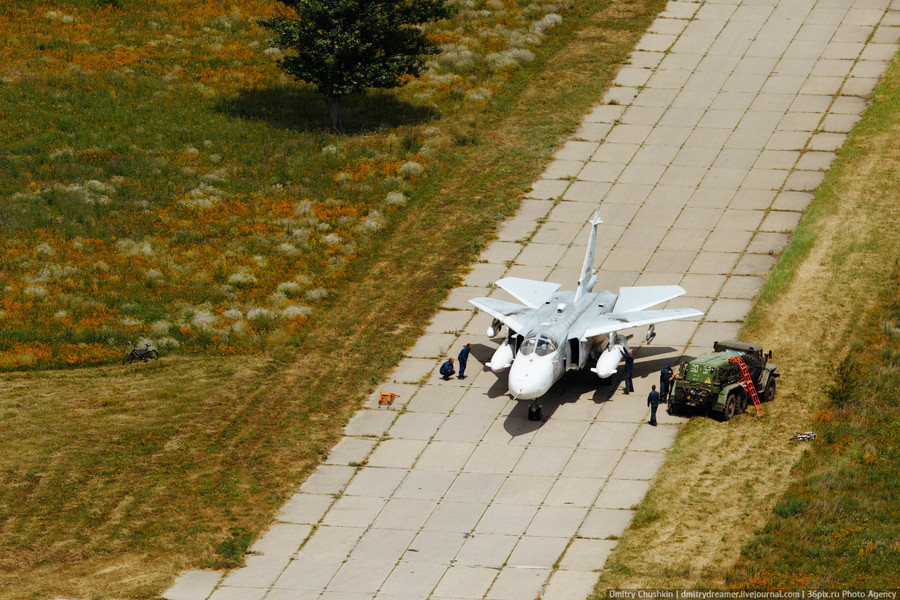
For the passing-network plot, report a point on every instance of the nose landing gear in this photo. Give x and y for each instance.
(535, 412)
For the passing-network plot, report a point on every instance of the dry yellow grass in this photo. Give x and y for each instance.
(721, 480)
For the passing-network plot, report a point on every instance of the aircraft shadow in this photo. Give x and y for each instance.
(579, 385)
(302, 108)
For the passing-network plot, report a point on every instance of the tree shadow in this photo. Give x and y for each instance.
(304, 109)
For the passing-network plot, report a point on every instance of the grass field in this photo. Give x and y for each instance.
(164, 181)
(738, 504)
(114, 480)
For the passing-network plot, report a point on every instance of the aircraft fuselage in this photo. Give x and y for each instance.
(543, 350)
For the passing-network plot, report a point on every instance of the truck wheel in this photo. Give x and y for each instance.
(731, 405)
(769, 394)
(742, 403)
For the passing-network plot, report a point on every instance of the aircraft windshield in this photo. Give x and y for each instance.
(539, 344)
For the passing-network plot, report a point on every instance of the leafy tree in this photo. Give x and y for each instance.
(348, 46)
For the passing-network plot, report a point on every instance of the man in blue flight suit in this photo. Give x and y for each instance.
(463, 357)
(629, 369)
(666, 375)
(447, 369)
(653, 402)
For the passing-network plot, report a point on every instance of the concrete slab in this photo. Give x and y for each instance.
(413, 370)
(282, 539)
(537, 460)
(537, 552)
(557, 521)
(475, 487)
(360, 576)
(416, 426)
(405, 513)
(524, 489)
(499, 252)
(374, 482)
(516, 583)
(494, 458)
(434, 345)
(445, 456)
(622, 493)
(237, 593)
(305, 509)
(506, 519)
(308, 573)
(412, 580)
(654, 439)
(638, 465)
(729, 310)
(353, 511)
(792, 200)
(453, 516)
(605, 523)
(544, 189)
(742, 287)
(422, 484)
(436, 398)
(754, 264)
(486, 550)
(350, 450)
(464, 428)
(328, 479)
(386, 544)
(465, 582)
(398, 453)
(586, 555)
(609, 435)
(193, 585)
(434, 547)
(565, 585)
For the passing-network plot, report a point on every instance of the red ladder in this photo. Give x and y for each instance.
(748, 383)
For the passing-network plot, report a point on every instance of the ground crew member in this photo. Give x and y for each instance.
(653, 402)
(463, 357)
(447, 369)
(666, 377)
(629, 369)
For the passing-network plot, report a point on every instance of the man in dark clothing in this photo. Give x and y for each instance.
(629, 369)
(447, 369)
(653, 402)
(666, 377)
(463, 357)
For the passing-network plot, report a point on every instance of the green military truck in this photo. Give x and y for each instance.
(713, 383)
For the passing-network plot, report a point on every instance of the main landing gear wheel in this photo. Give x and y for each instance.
(731, 405)
(535, 413)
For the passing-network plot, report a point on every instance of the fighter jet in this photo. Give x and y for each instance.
(554, 331)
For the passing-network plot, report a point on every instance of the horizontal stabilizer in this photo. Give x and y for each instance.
(510, 314)
(640, 298)
(527, 291)
(615, 321)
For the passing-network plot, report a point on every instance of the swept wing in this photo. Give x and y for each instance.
(510, 314)
(527, 291)
(639, 298)
(614, 321)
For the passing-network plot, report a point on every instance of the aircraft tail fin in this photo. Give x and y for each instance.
(588, 277)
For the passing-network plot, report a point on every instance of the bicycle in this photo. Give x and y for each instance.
(144, 354)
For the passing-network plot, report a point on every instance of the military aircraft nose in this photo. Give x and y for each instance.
(530, 376)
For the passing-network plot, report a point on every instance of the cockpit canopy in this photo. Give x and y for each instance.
(540, 344)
